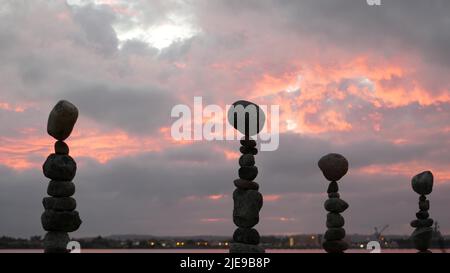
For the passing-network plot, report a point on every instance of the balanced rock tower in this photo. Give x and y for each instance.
(422, 184)
(246, 117)
(60, 216)
(334, 167)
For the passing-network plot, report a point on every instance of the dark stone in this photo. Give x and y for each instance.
(246, 113)
(248, 173)
(421, 238)
(334, 195)
(422, 198)
(246, 150)
(61, 148)
(334, 234)
(335, 246)
(246, 236)
(422, 183)
(246, 185)
(247, 204)
(422, 215)
(245, 248)
(59, 203)
(420, 223)
(333, 166)
(248, 143)
(335, 220)
(56, 242)
(424, 205)
(333, 187)
(60, 188)
(62, 119)
(335, 205)
(60, 167)
(246, 160)
(67, 221)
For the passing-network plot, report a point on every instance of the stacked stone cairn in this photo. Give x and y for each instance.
(248, 201)
(60, 216)
(422, 184)
(334, 167)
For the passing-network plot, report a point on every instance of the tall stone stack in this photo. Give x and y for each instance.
(60, 216)
(248, 201)
(422, 184)
(334, 167)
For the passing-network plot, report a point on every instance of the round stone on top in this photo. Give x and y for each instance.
(62, 119)
(333, 166)
(422, 183)
(246, 117)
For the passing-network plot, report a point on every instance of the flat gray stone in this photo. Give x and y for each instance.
(59, 203)
(56, 242)
(247, 160)
(246, 185)
(60, 167)
(246, 236)
(247, 204)
(335, 220)
(422, 215)
(248, 173)
(62, 119)
(248, 150)
(334, 234)
(338, 246)
(420, 223)
(421, 238)
(334, 195)
(60, 188)
(66, 221)
(251, 143)
(61, 148)
(424, 205)
(336, 205)
(333, 187)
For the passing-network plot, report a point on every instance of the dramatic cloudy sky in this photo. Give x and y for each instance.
(369, 82)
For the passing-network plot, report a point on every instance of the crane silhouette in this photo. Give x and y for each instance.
(379, 231)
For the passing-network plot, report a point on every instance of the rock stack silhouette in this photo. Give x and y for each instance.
(422, 184)
(248, 201)
(334, 167)
(60, 216)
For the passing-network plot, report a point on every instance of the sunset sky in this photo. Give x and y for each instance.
(369, 82)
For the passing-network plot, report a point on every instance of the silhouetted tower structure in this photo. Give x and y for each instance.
(248, 119)
(334, 167)
(422, 184)
(60, 216)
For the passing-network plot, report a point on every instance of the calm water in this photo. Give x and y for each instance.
(215, 251)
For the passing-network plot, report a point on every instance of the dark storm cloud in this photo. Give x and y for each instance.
(295, 162)
(390, 30)
(96, 23)
(416, 24)
(136, 110)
